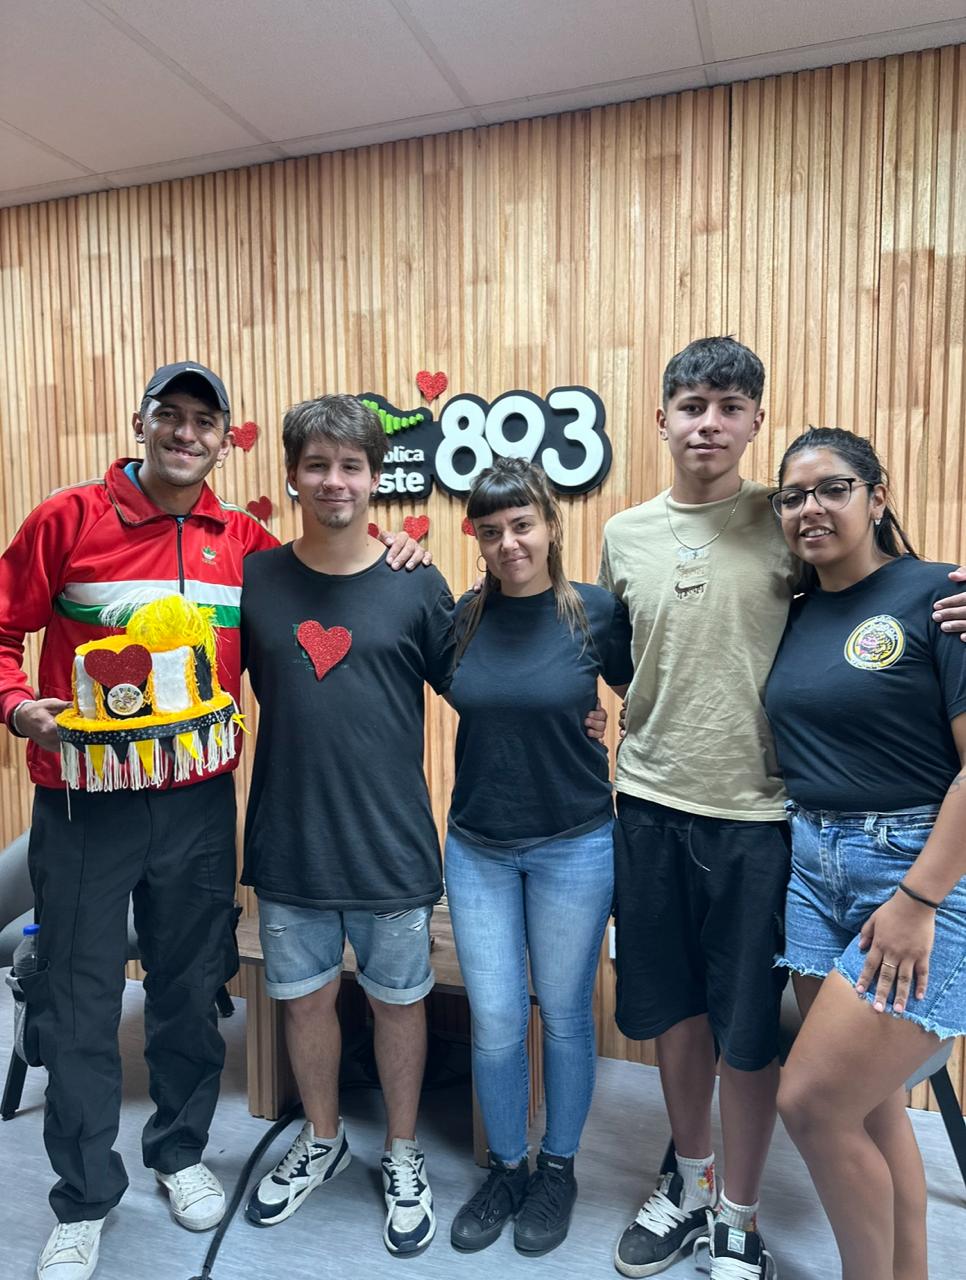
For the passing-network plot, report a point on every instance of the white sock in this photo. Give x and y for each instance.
(329, 1142)
(742, 1216)
(698, 1178)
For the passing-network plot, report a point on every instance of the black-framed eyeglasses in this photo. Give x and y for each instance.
(831, 495)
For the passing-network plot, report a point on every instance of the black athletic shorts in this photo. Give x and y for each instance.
(699, 906)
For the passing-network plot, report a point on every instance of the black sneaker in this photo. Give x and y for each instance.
(482, 1218)
(544, 1219)
(736, 1254)
(662, 1232)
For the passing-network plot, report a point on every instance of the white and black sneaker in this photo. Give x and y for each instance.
(736, 1254)
(71, 1251)
(410, 1220)
(662, 1232)
(306, 1165)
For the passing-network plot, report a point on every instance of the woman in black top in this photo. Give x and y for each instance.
(529, 852)
(867, 701)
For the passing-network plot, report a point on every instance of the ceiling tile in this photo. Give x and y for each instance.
(24, 164)
(503, 49)
(740, 28)
(299, 68)
(75, 82)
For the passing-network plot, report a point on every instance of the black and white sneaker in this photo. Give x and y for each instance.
(736, 1254)
(662, 1232)
(306, 1165)
(410, 1220)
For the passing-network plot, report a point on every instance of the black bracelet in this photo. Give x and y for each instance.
(917, 897)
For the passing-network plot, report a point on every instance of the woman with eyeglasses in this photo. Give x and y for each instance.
(867, 701)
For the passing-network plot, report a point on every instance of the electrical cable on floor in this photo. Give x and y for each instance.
(242, 1186)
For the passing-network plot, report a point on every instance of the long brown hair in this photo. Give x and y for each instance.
(514, 482)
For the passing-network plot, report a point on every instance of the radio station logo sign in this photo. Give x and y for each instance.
(564, 434)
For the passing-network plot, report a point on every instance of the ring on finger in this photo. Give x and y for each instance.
(886, 965)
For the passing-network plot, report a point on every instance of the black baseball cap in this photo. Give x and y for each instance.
(163, 377)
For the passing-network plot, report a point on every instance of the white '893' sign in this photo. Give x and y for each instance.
(564, 433)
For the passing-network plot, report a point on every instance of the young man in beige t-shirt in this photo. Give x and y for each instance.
(701, 852)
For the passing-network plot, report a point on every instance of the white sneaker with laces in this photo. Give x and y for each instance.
(197, 1197)
(410, 1220)
(71, 1251)
(308, 1163)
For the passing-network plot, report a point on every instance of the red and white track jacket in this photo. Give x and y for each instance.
(105, 542)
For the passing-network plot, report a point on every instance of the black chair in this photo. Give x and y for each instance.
(16, 911)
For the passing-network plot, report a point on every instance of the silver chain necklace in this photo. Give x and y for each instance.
(701, 546)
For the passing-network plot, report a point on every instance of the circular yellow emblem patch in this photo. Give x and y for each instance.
(876, 643)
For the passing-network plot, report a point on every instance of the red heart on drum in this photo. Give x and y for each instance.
(131, 665)
(261, 508)
(244, 437)
(431, 384)
(416, 526)
(325, 648)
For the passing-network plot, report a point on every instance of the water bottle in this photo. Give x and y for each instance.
(24, 963)
(25, 954)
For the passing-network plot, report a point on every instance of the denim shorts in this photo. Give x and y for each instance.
(303, 948)
(844, 866)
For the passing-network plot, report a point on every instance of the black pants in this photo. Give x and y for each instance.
(174, 851)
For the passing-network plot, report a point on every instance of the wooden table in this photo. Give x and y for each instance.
(271, 1084)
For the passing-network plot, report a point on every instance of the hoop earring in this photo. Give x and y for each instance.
(139, 439)
(480, 568)
(220, 463)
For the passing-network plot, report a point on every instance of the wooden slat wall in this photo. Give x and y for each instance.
(818, 216)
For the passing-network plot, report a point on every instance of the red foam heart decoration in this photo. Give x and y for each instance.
(325, 648)
(261, 508)
(431, 384)
(373, 530)
(416, 526)
(467, 527)
(244, 437)
(131, 665)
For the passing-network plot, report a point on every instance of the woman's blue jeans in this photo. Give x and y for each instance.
(553, 901)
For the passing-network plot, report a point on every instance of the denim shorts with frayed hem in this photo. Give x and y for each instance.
(303, 948)
(844, 866)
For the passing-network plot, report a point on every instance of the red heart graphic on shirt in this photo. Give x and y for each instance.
(416, 526)
(131, 665)
(373, 530)
(261, 508)
(244, 437)
(467, 527)
(431, 384)
(325, 648)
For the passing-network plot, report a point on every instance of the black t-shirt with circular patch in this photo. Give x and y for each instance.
(862, 691)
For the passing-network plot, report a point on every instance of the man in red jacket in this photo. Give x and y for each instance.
(148, 529)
